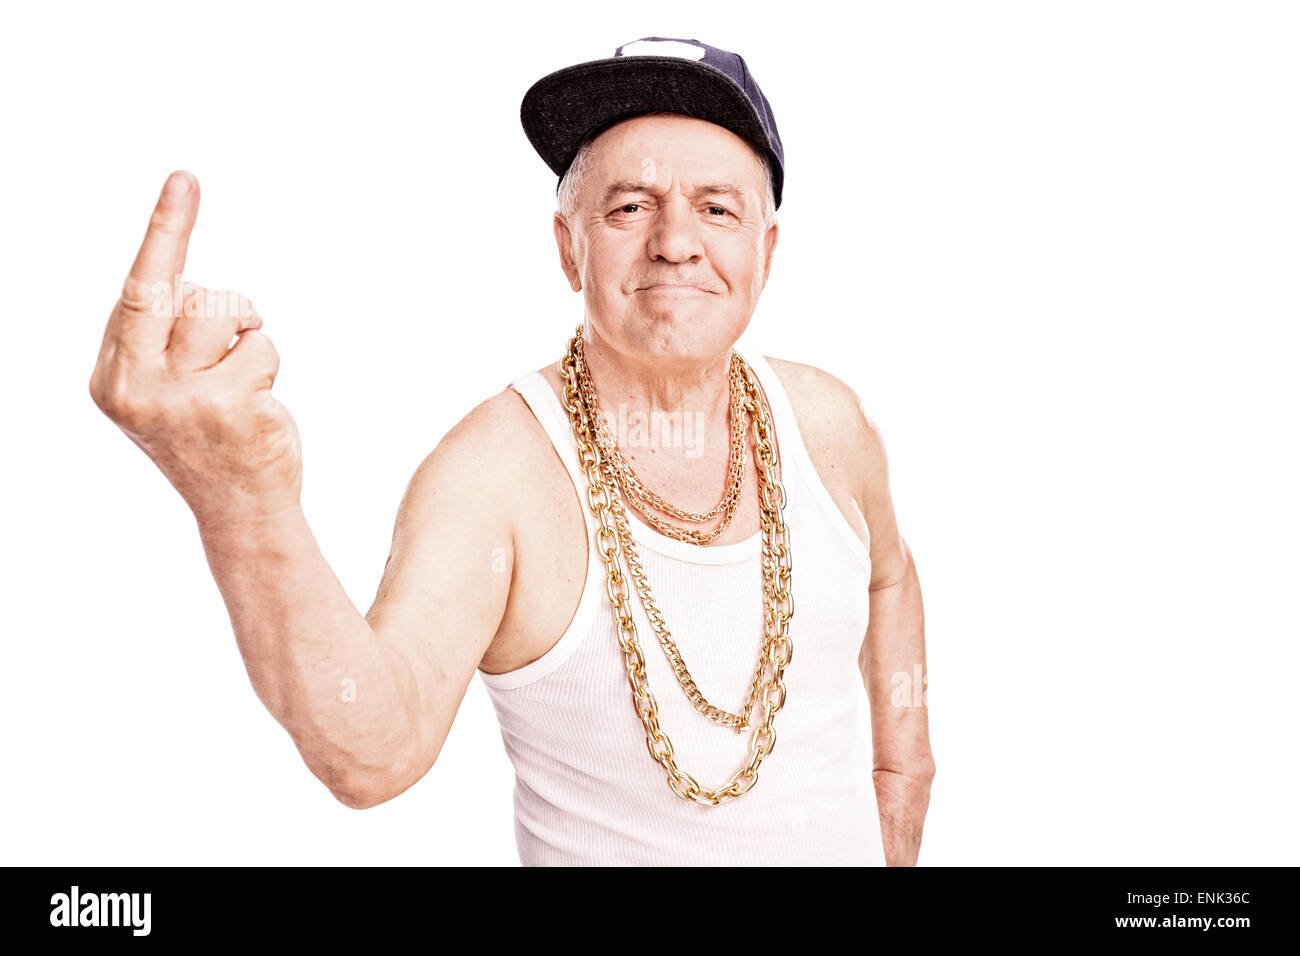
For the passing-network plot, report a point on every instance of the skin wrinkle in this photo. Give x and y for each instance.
(233, 453)
(665, 223)
(617, 230)
(571, 183)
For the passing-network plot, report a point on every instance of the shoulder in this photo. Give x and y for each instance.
(821, 393)
(846, 449)
(490, 435)
(492, 455)
(833, 422)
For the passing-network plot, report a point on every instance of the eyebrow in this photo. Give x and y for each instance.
(709, 189)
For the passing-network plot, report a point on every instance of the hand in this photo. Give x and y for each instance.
(169, 378)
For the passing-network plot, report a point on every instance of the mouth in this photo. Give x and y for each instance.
(672, 287)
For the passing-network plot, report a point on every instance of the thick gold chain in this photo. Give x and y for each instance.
(642, 498)
(738, 722)
(777, 599)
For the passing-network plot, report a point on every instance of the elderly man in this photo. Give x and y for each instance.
(573, 520)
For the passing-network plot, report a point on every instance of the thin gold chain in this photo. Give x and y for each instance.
(629, 479)
(642, 498)
(777, 599)
(737, 722)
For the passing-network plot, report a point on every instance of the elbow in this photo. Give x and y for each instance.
(363, 789)
(925, 771)
(917, 767)
(363, 779)
(358, 789)
(359, 800)
(362, 795)
(920, 765)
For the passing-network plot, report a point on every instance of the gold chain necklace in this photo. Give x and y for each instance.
(737, 722)
(641, 497)
(777, 599)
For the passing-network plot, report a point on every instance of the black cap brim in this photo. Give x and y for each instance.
(563, 108)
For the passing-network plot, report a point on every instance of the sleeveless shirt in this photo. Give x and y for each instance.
(588, 792)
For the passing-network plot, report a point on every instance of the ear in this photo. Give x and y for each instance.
(769, 248)
(564, 240)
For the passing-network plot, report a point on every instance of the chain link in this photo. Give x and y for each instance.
(737, 722)
(642, 498)
(590, 404)
(778, 604)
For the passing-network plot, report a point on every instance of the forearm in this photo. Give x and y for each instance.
(348, 699)
(893, 670)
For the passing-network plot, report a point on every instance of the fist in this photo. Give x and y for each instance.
(168, 376)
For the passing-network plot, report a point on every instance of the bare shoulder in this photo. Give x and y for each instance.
(487, 462)
(498, 430)
(849, 454)
(491, 482)
(834, 425)
(501, 449)
(501, 432)
(523, 473)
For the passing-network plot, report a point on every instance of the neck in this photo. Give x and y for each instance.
(637, 391)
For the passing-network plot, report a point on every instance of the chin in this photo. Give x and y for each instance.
(672, 325)
(679, 333)
(674, 318)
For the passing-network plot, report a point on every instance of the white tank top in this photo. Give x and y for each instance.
(588, 792)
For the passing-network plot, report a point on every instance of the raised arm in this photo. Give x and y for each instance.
(368, 700)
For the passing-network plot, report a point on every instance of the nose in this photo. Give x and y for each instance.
(674, 234)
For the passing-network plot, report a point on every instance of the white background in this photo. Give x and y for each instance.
(1053, 247)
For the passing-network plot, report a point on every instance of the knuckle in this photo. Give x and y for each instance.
(125, 404)
(272, 352)
(98, 395)
(95, 385)
(263, 347)
(164, 222)
(140, 296)
(272, 359)
(103, 389)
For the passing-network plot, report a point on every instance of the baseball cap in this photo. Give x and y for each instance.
(650, 75)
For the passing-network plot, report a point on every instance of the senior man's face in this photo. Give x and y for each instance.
(668, 242)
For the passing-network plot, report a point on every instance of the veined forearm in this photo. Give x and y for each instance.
(348, 699)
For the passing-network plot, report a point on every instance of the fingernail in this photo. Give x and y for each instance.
(177, 186)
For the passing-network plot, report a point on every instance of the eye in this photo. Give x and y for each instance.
(721, 209)
(630, 207)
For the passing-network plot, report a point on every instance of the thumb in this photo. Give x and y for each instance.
(162, 254)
